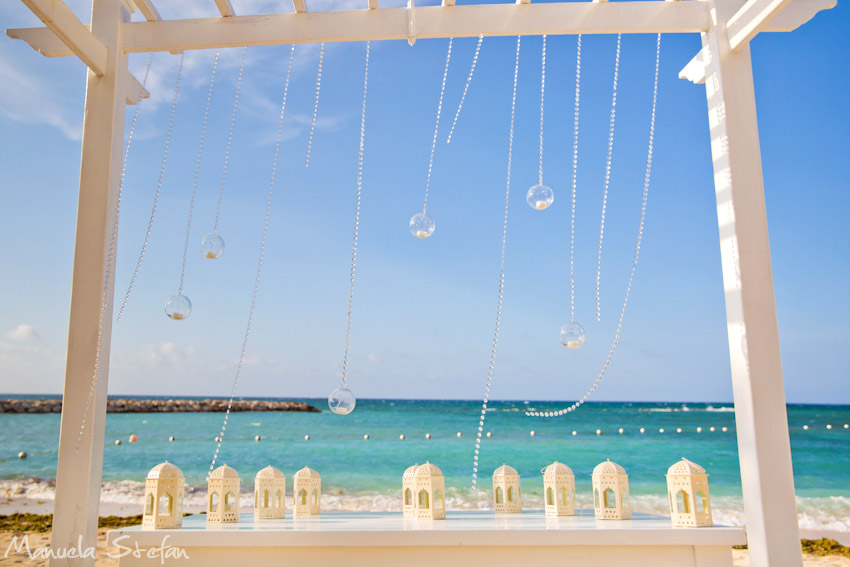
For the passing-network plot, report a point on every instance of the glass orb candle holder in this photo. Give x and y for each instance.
(212, 246)
(421, 225)
(342, 401)
(572, 335)
(178, 307)
(540, 197)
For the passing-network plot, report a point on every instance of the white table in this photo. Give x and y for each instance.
(468, 539)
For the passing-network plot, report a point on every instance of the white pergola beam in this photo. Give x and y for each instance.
(448, 3)
(300, 6)
(133, 88)
(431, 22)
(64, 24)
(750, 20)
(225, 8)
(148, 10)
(373, 4)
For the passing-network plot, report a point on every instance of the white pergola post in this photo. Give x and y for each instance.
(760, 414)
(78, 474)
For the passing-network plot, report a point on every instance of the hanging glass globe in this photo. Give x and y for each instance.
(342, 401)
(572, 335)
(212, 246)
(421, 225)
(540, 197)
(178, 307)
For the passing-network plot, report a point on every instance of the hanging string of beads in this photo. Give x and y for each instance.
(607, 177)
(156, 194)
(572, 334)
(315, 104)
(465, 88)
(178, 306)
(540, 196)
(109, 265)
(495, 344)
(341, 400)
(241, 362)
(421, 224)
(641, 223)
(212, 245)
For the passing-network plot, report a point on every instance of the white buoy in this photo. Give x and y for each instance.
(366, 437)
(620, 431)
(117, 441)
(678, 430)
(459, 434)
(643, 430)
(806, 427)
(575, 433)
(724, 429)
(829, 426)
(711, 429)
(306, 438)
(22, 455)
(699, 429)
(427, 436)
(489, 434)
(171, 438)
(401, 436)
(257, 438)
(847, 426)
(599, 432)
(661, 430)
(532, 433)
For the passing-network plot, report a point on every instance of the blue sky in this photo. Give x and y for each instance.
(424, 310)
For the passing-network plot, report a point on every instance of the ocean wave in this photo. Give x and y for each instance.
(828, 513)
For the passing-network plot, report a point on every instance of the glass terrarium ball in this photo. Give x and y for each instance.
(421, 225)
(540, 197)
(212, 246)
(342, 401)
(572, 335)
(178, 307)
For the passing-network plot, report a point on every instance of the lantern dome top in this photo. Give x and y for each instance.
(609, 467)
(224, 472)
(557, 468)
(505, 471)
(428, 470)
(306, 473)
(410, 471)
(165, 470)
(685, 467)
(269, 472)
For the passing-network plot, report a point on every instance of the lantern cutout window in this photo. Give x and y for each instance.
(559, 490)
(269, 494)
(611, 492)
(223, 496)
(408, 491)
(307, 492)
(687, 487)
(163, 498)
(424, 492)
(506, 493)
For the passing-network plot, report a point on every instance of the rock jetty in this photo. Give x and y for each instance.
(130, 405)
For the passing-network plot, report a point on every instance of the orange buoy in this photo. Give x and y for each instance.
(133, 438)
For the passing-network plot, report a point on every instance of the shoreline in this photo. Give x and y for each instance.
(170, 405)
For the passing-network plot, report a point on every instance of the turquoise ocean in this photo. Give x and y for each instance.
(361, 474)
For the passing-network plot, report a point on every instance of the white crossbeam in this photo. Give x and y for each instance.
(225, 8)
(431, 22)
(77, 37)
(300, 6)
(750, 19)
(448, 3)
(148, 10)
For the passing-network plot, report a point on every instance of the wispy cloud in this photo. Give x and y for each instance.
(22, 333)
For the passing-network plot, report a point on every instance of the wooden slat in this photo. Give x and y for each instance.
(148, 10)
(132, 87)
(77, 37)
(224, 8)
(448, 2)
(300, 6)
(373, 4)
(750, 19)
(431, 22)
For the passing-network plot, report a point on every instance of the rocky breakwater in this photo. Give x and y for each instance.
(131, 405)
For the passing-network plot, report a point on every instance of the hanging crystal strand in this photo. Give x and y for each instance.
(181, 314)
(109, 265)
(342, 401)
(156, 193)
(421, 224)
(315, 104)
(607, 177)
(212, 245)
(501, 279)
(541, 196)
(241, 362)
(572, 334)
(465, 88)
(646, 180)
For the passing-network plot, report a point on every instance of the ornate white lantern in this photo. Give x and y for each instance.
(307, 492)
(506, 494)
(429, 492)
(223, 496)
(611, 492)
(408, 489)
(559, 488)
(270, 494)
(163, 498)
(687, 488)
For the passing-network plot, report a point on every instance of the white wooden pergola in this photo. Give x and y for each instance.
(723, 65)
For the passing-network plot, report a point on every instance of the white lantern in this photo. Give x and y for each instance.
(687, 489)
(506, 493)
(269, 494)
(429, 492)
(223, 496)
(307, 492)
(559, 487)
(611, 492)
(408, 487)
(163, 498)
